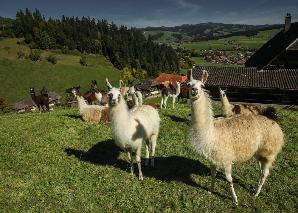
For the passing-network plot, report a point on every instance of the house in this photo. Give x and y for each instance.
(248, 84)
(279, 52)
(165, 78)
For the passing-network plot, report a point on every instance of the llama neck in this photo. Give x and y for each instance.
(202, 114)
(227, 108)
(81, 103)
(177, 90)
(120, 115)
(33, 96)
(98, 96)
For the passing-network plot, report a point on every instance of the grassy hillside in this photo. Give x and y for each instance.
(253, 42)
(17, 75)
(58, 163)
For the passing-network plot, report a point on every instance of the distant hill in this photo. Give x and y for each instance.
(204, 31)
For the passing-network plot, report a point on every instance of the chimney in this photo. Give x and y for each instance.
(287, 22)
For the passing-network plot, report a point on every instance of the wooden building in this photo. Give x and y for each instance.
(279, 52)
(279, 86)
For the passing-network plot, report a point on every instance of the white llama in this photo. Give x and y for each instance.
(136, 96)
(131, 129)
(235, 139)
(166, 93)
(229, 109)
(88, 112)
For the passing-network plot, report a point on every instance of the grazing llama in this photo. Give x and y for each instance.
(169, 92)
(131, 129)
(42, 100)
(230, 109)
(89, 113)
(235, 139)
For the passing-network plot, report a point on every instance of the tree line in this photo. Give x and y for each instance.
(123, 46)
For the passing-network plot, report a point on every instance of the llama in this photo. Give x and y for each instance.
(235, 139)
(101, 96)
(123, 88)
(89, 113)
(136, 96)
(169, 92)
(42, 100)
(130, 129)
(230, 110)
(184, 93)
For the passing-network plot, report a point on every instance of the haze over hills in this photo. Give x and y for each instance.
(205, 31)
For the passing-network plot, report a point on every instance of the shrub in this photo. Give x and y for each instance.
(4, 105)
(35, 55)
(83, 61)
(52, 59)
(21, 55)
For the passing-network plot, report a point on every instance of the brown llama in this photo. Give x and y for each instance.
(229, 109)
(235, 139)
(41, 100)
(172, 91)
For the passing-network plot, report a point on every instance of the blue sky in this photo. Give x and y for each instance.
(141, 13)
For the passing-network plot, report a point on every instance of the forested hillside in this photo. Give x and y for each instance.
(124, 47)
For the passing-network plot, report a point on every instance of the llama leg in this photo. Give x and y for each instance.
(174, 100)
(129, 154)
(264, 173)
(228, 173)
(147, 152)
(138, 160)
(213, 174)
(161, 103)
(165, 101)
(153, 145)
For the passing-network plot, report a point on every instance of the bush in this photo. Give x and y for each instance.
(35, 55)
(83, 61)
(52, 59)
(4, 105)
(21, 55)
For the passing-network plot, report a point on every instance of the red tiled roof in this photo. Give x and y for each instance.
(165, 77)
(249, 77)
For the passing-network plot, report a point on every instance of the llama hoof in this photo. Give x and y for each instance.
(141, 178)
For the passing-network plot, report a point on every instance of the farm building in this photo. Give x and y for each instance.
(29, 105)
(165, 79)
(252, 85)
(270, 75)
(279, 52)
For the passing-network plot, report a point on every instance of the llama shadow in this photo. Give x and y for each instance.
(172, 168)
(73, 116)
(177, 119)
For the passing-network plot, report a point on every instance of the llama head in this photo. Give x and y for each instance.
(32, 91)
(75, 91)
(195, 86)
(222, 92)
(131, 90)
(114, 94)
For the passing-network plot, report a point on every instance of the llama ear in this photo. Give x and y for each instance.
(120, 83)
(191, 70)
(108, 84)
(204, 76)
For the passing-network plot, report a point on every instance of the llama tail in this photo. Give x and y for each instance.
(271, 113)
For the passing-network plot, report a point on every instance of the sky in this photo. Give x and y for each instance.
(143, 13)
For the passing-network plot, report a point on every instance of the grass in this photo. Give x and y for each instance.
(18, 75)
(57, 163)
